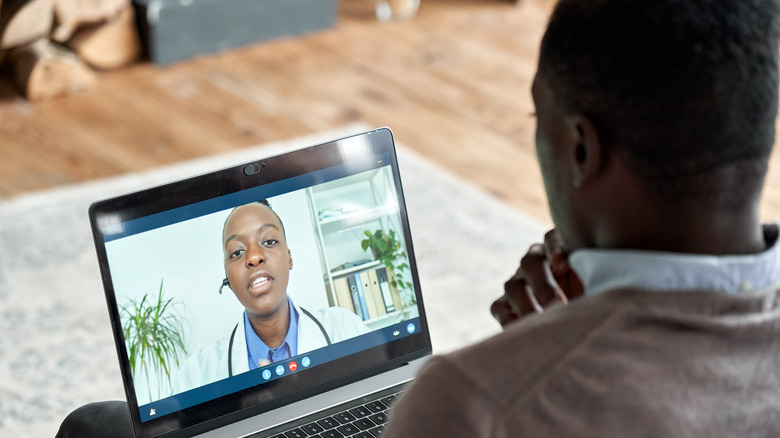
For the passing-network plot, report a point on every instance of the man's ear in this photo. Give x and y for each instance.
(586, 153)
(289, 255)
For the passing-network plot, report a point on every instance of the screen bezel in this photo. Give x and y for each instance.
(294, 387)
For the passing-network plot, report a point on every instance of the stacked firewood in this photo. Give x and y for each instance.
(55, 47)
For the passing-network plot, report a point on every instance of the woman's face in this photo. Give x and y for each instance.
(257, 260)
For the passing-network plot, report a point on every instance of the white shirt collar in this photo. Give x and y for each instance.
(602, 270)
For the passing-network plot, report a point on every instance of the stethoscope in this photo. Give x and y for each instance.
(225, 282)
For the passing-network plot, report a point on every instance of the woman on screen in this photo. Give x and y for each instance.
(272, 328)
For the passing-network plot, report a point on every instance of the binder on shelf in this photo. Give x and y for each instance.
(374, 302)
(368, 293)
(359, 297)
(384, 300)
(370, 302)
(388, 289)
(353, 290)
(343, 294)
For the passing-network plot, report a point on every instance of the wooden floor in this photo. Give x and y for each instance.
(453, 84)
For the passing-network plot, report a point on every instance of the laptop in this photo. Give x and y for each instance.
(190, 328)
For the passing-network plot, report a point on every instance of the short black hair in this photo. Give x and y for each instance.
(268, 204)
(685, 89)
(261, 202)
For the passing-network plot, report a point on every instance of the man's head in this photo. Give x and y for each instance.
(682, 92)
(257, 260)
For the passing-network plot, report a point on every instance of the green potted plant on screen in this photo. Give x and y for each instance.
(154, 336)
(387, 249)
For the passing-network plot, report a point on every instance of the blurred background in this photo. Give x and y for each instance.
(451, 79)
(95, 88)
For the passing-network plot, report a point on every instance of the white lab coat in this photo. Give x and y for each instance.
(210, 364)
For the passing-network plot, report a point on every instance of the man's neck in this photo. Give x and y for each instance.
(686, 230)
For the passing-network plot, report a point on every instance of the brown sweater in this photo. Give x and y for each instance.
(621, 363)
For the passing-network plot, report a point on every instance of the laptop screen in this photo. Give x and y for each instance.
(238, 291)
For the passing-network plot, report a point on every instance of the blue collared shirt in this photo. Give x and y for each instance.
(603, 270)
(256, 348)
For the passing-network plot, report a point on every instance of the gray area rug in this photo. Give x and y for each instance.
(56, 347)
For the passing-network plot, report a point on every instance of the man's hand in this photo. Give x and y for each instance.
(544, 277)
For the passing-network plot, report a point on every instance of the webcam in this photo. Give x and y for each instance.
(252, 169)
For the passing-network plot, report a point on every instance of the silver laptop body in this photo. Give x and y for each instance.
(185, 341)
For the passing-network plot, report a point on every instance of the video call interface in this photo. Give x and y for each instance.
(189, 335)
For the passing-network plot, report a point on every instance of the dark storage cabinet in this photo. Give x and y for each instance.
(174, 30)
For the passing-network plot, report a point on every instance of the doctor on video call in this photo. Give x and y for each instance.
(272, 328)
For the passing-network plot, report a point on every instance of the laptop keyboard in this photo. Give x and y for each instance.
(366, 420)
